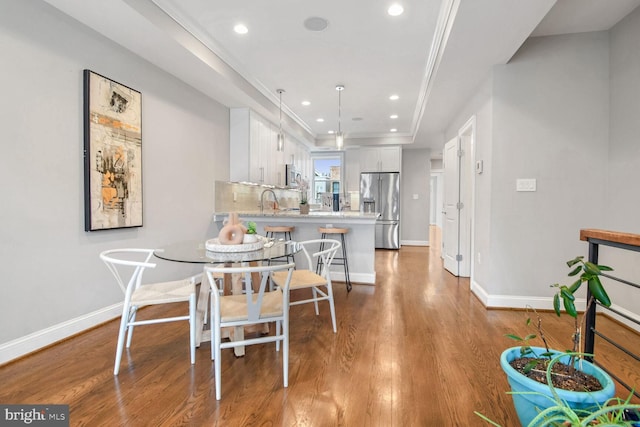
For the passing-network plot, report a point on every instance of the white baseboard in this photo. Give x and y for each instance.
(546, 303)
(516, 301)
(414, 242)
(37, 340)
(369, 279)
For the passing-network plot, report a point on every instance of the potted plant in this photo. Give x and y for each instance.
(525, 366)
(559, 412)
(250, 236)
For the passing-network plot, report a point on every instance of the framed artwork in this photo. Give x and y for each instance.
(112, 154)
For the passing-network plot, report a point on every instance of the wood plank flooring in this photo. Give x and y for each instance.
(417, 349)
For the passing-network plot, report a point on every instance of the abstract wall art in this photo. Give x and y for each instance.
(112, 154)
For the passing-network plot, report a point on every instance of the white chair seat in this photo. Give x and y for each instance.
(163, 293)
(234, 307)
(300, 279)
(320, 284)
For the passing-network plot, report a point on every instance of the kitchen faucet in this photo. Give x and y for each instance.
(268, 190)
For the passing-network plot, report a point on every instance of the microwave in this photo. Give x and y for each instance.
(292, 176)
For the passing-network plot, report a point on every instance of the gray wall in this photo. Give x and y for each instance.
(621, 199)
(544, 115)
(551, 123)
(416, 173)
(52, 279)
(563, 111)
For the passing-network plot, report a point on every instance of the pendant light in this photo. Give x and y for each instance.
(339, 135)
(280, 143)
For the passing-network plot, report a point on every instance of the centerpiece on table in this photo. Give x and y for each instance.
(235, 237)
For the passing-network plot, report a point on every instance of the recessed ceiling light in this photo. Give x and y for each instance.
(393, 116)
(320, 120)
(395, 9)
(394, 97)
(316, 23)
(306, 103)
(332, 131)
(393, 130)
(241, 29)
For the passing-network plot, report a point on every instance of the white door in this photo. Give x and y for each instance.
(450, 212)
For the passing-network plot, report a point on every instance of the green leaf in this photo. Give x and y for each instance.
(591, 268)
(574, 261)
(575, 271)
(556, 304)
(605, 268)
(529, 366)
(514, 337)
(529, 337)
(575, 286)
(566, 293)
(598, 292)
(570, 307)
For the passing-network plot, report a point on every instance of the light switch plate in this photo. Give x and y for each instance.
(528, 184)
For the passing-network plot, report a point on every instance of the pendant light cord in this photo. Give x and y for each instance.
(339, 109)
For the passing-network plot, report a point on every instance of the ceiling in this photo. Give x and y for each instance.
(434, 56)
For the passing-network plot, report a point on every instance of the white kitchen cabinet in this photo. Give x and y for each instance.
(253, 153)
(380, 159)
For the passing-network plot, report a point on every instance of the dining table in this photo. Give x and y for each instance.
(196, 252)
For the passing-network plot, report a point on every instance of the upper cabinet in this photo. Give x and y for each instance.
(253, 153)
(380, 159)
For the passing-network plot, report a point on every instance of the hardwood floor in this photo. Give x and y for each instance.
(417, 349)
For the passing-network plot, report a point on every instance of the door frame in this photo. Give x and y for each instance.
(467, 135)
(466, 138)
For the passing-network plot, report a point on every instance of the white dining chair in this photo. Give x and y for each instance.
(128, 266)
(305, 277)
(256, 305)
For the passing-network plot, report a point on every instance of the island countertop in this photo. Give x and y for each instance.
(360, 240)
(313, 216)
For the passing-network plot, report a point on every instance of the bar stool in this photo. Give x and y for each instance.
(272, 231)
(326, 231)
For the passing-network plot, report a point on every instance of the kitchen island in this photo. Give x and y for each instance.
(360, 239)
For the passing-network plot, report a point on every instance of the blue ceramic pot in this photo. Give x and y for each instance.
(528, 406)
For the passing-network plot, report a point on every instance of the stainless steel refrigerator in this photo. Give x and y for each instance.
(380, 192)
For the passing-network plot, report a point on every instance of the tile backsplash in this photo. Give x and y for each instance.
(245, 197)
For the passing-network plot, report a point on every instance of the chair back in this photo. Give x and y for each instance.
(329, 249)
(251, 274)
(136, 259)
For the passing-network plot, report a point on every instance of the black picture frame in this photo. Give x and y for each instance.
(112, 117)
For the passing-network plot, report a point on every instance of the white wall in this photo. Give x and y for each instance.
(53, 281)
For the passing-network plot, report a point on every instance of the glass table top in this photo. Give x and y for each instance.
(194, 251)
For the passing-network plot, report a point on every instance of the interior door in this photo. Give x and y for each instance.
(451, 213)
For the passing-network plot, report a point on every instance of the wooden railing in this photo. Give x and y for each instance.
(626, 241)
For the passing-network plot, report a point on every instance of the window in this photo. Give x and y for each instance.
(327, 177)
